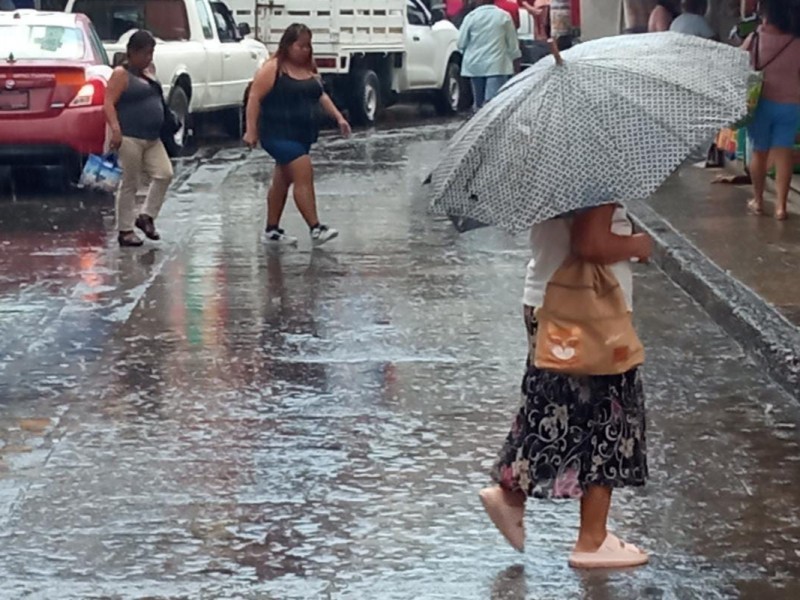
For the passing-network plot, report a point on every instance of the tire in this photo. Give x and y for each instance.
(179, 104)
(448, 100)
(236, 119)
(234, 123)
(365, 99)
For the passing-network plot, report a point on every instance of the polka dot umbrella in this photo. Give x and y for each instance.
(607, 121)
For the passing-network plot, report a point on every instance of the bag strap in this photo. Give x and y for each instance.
(757, 48)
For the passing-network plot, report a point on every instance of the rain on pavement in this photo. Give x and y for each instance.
(212, 418)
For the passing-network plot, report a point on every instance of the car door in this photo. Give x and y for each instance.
(239, 62)
(420, 46)
(213, 52)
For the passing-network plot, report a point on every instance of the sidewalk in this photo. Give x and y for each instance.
(744, 270)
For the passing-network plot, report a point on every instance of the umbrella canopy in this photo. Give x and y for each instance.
(608, 124)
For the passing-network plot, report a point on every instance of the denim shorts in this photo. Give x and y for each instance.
(285, 151)
(774, 125)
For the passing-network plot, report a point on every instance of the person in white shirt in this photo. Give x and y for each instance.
(693, 20)
(489, 44)
(577, 437)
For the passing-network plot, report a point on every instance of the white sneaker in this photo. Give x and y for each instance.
(322, 234)
(279, 237)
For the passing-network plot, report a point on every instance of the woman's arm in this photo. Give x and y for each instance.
(660, 20)
(262, 85)
(748, 42)
(330, 109)
(117, 84)
(592, 240)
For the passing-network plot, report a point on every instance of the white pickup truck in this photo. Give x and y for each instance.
(203, 58)
(370, 52)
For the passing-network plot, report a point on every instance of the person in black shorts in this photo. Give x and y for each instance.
(284, 111)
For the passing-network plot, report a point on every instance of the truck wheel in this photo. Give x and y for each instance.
(448, 100)
(236, 118)
(234, 122)
(179, 104)
(365, 102)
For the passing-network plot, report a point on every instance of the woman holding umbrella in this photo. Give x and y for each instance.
(580, 430)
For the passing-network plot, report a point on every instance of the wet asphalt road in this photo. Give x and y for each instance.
(211, 418)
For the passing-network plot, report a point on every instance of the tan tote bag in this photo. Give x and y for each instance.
(585, 327)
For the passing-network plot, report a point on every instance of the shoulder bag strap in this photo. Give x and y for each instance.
(771, 60)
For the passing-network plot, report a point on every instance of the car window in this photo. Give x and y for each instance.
(165, 19)
(416, 14)
(34, 42)
(97, 45)
(226, 28)
(205, 19)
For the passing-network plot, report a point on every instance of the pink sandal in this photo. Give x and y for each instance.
(612, 554)
(509, 519)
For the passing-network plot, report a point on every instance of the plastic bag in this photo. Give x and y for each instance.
(101, 173)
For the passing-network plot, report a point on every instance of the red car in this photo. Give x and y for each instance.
(53, 74)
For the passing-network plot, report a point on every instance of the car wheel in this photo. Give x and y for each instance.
(179, 104)
(365, 102)
(448, 101)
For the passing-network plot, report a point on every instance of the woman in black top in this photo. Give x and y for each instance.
(134, 108)
(283, 112)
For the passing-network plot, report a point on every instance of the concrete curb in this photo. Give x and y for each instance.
(763, 332)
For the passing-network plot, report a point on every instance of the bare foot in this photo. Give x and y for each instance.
(756, 208)
(781, 214)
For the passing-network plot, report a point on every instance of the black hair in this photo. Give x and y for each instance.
(141, 40)
(783, 14)
(696, 7)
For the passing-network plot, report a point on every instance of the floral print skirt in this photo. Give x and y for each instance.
(573, 432)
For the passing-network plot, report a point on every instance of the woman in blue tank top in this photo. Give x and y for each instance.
(283, 112)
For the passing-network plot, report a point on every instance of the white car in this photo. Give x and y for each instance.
(203, 59)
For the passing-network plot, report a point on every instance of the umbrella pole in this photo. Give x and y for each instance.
(556, 52)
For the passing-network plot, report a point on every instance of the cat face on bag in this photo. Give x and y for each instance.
(562, 344)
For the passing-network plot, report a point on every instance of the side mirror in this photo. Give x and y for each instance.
(119, 59)
(244, 29)
(437, 15)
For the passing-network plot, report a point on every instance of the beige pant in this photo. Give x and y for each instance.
(141, 157)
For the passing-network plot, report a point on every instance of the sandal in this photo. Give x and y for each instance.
(613, 553)
(781, 215)
(509, 519)
(754, 208)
